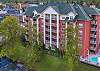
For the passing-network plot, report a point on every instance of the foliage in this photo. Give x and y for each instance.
(1, 7)
(71, 47)
(11, 29)
(14, 48)
(10, 32)
(78, 1)
(27, 56)
(2, 52)
(52, 63)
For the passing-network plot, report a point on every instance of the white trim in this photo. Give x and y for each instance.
(49, 9)
(66, 34)
(32, 21)
(50, 32)
(37, 21)
(57, 31)
(44, 27)
(24, 18)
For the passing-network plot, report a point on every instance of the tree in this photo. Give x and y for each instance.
(11, 29)
(15, 50)
(2, 52)
(71, 47)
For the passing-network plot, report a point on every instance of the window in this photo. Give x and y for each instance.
(42, 26)
(71, 17)
(33, 14)
(63, 17)
(81, 32)
(81, 25)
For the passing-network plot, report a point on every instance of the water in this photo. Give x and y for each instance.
(94, 60)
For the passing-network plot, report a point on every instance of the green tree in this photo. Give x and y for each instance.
(15, 50)
(1, 6)
(71, 46)
(10, 28)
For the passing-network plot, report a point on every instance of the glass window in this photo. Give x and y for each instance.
(81, 25)
(71, 17)
(33, 14)
(63, 17)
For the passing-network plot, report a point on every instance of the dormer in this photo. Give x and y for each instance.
(34, 13)
(71, 15)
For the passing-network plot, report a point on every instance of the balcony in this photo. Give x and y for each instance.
(93, 29)
(47, 41)
(94, 25)
(47, 35)
(54, 31)
(47, 29)
(54, 46)
(54, 43)
(47, 45)
(54, 37)
(47, 38)
(92, 42)
(94, 22)
(92, 36)
(47, 20)
(54, 24)
(47, 16)
(93, 48)
(47, 24)
(54, 17)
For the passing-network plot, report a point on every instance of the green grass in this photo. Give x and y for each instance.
(51, 63)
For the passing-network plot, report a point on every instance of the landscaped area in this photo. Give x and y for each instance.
(49, 39)
(51, 63)
(32, 56)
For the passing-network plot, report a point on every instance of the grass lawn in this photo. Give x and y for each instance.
(51, 63)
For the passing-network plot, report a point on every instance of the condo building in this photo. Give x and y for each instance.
(52, 18)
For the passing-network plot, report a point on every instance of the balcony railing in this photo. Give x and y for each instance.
(93, 48)
(93, 29)
(54, 17)
(47, 41)
(47, 35)
(47, 24)
(47, 21)
(54, 24)
(93, 42)
(92, 35)
(54, 43)
(54, 31)
(47, 29)
(94, 22)
(55, 37)
(47, 17)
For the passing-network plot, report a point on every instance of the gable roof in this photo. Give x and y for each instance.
(81, 12)
(29, 10)
(61, 8)
(90, 11)
(82, 15)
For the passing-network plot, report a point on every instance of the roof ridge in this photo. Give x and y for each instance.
(72, 8)
(96, 10)
(57, 9)
(83, 12)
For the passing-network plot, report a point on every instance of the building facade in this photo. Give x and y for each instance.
(51, 20)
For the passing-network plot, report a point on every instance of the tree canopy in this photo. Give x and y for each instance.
(71, 46)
